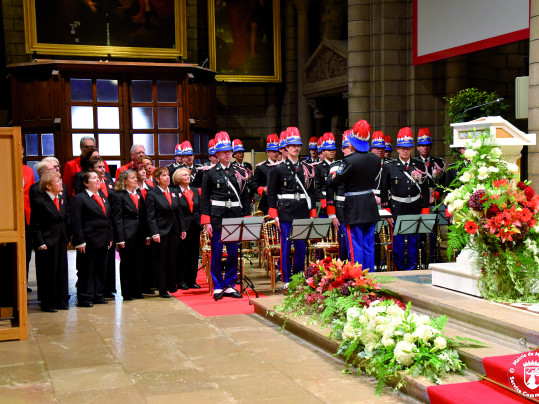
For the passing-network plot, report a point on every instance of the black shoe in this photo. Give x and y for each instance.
(218, 296)
(173, 290)
(183, 286)
(108, 295)
(101, 301)
(127, 298)
(164, 295)
(63, 306)
(194, 286)
(235, 294)
(28, 289)
(85, 304)
(149, 292)
(48, 308)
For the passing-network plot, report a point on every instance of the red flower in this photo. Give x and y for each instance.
(525, 215)
(492, 211)
(521, 185)
(470, 226)
(529, 192)
(499, 183)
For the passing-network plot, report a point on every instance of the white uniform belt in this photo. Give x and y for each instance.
(291, 196)
(408, 199)
(358, 193)
(227, 204)
(376, 191)
(339, 198)
(324, 193)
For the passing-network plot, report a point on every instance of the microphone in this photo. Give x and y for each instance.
(479, 106)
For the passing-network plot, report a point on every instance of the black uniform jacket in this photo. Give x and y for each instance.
(335, 193)
(436, 169)
(192, 219)
(90, 225)
(164, 218)
(397, 184)
(358, 175)
(127, 220)
(49, 226)
(215, 188)
(260, 180)
(282, 181)
(321, 171)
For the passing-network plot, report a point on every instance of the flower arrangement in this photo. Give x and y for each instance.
(496, 215)
(379, 333)
(327, 288)
(385, 340)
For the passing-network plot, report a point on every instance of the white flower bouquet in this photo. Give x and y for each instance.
(384, 340)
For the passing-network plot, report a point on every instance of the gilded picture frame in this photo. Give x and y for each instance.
(245, 40)
(127, 28)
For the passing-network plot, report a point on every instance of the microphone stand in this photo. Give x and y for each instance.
(478, 106)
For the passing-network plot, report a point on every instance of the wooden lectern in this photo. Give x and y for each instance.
(13, 316)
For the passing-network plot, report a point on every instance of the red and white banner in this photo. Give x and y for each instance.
(444, 28)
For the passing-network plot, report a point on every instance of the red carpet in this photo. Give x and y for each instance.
(201, 301)
(519, 372)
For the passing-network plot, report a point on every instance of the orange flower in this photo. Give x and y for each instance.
(470, 226)
(499, 183)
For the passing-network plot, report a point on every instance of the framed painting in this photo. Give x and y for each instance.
(245, 40)
(122, 28)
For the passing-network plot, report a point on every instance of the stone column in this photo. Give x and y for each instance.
(303, 52)
(533, 97)
(289, 107)
(359, 61)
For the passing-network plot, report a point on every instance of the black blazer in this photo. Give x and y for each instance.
(90, 225)
(357, 174)
(191, 219)
(164, 218)
(49, 226)
(127, 220)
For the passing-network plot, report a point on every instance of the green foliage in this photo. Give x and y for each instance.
(467, 98)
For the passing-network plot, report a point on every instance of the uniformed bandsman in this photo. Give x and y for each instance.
(435, 173)
(321, 170)
(282, 148)
(225, 194)
(259, 183)
(189, 163)
(360, 209)
(335, 200)
(405, 180)
(313, 150)
(378, 148)
(179, 160)
(321, 157)
(238, 152)
(389, 148)
(291, 196)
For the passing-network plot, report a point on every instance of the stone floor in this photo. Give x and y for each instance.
(161, 351)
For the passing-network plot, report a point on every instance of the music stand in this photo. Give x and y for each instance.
(415, 224)
(306, 229)
(240, 229)
(441, 220)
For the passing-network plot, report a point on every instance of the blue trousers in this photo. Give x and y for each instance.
(399, 256)
(343, 243)
(300, 250)
(361, 243)
(231, 269)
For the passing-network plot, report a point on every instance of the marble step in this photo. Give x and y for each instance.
(416, 387)
(514, 328)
